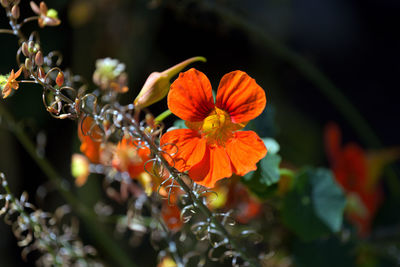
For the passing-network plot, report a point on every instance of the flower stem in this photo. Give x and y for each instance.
(162, 116)
(286, 172)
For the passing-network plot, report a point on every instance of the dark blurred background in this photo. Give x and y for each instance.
(354, 43)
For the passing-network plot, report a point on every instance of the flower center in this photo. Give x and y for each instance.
(217, 127)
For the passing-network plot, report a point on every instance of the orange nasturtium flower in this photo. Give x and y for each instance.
(213, 148)
(131, 157)
(11, 83)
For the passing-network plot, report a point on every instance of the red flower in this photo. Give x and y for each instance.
(351, 170)
(213, 148)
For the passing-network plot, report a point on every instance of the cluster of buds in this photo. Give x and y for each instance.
(34, 57)
(110, 75)
(47, 17)
(34, 62)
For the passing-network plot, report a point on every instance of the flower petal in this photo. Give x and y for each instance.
(89, 134)
(214, 166)
(185, 146)
(240, 96)
(245, 149)
(18, 73)
(190, 97)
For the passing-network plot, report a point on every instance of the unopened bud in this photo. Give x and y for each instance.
(41, 73)
(24, 49)
(157, 84)
(106, 124)
(39, 58)
(60, 79)
(5, 3)
(28, 64)
(15, 12)
(31, 47)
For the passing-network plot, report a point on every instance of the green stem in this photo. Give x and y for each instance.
(162, 116)
(286, 172)
(103, 240)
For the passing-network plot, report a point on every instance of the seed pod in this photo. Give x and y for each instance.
(39, 58)
(28, 64)
(15, 12)
(31, 47)
(60, 79)
(24, 49)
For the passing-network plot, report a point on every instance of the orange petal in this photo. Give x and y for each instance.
(171, 215)
(240, 96)
(245, 149)
(190, 97)
(6, 90)
(185, 146)
(18, 73)
(214, 166)
(90, 143)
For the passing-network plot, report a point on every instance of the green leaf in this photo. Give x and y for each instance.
(315, 205)
(272, 145)
(259, 182)
(180, 124)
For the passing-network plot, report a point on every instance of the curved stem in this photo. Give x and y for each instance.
(7, 31)
(108, 246)
(286, 172)
(162, 116)
(28, 20)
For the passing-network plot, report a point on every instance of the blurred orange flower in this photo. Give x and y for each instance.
(213, 148)
(234, 195)
(11, 83)
(351, 169)
(89, 134)
(131, 157)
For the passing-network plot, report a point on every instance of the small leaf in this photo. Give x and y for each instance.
(272, 145)
(315, 205)
(259, 182)
(180, 124)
